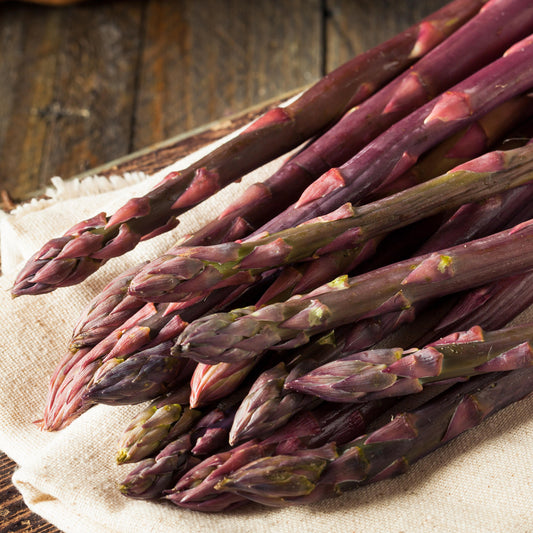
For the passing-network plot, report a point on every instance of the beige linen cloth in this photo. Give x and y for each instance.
(480, 482)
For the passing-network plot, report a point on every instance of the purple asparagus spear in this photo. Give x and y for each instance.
(247, 332)
(388, 372)
(193, 271)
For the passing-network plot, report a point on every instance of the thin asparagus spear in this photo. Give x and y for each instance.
(312, 429)
(396, 372)
(69, 259)
(192, 271)
(160, 422)
(248, 332)
(384, 453)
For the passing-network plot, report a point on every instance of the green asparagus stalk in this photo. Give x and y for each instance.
(386, 452)
(247, 332)
(85, 247)
(193, 271)
(396, 372)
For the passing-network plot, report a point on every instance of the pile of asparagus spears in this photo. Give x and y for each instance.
(259, 344)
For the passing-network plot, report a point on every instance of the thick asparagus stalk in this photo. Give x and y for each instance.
(393, 152)
(486, 36)
(196, 270)
(460, 148)
(384, 453)
(85, 247)
(396, 372)
(248, 332)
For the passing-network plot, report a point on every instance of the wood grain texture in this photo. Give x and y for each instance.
(14, 515)
(211, 58)
(69, 99)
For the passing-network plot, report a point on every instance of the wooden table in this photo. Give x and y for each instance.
(97, 82)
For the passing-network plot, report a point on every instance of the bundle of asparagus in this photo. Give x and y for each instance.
(255, 337)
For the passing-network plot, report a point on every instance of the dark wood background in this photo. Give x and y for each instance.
(86, 84)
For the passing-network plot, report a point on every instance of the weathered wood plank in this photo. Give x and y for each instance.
(212, 58)
(14, 515)
(69, 96)
(159, 155)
